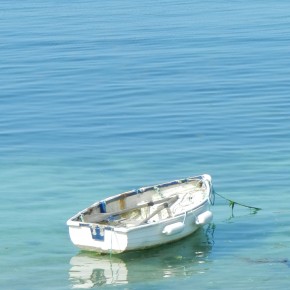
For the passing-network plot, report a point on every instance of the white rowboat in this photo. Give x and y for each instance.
(144, 218)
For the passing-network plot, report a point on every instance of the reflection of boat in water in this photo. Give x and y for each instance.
(183, 258)
(89, 270)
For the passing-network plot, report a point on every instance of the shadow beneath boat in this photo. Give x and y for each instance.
(186, 257)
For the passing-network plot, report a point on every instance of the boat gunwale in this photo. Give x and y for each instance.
(148, 188)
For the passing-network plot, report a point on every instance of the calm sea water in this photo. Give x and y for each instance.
(99, 97)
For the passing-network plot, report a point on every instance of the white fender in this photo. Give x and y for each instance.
(173, 229)
(204, 218)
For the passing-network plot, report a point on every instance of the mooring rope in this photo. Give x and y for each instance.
(232, 203)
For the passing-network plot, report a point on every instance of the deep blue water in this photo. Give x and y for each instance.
(99, 97)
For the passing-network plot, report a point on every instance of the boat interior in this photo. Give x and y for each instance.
(147, 204)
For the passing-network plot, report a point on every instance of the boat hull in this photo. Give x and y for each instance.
(110, 239)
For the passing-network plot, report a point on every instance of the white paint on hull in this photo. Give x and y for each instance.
(116, 239)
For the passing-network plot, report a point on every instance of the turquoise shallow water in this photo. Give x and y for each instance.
(101, 97)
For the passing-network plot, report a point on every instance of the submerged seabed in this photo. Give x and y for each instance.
(97, 98)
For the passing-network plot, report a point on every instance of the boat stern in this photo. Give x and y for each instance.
(97, 238)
